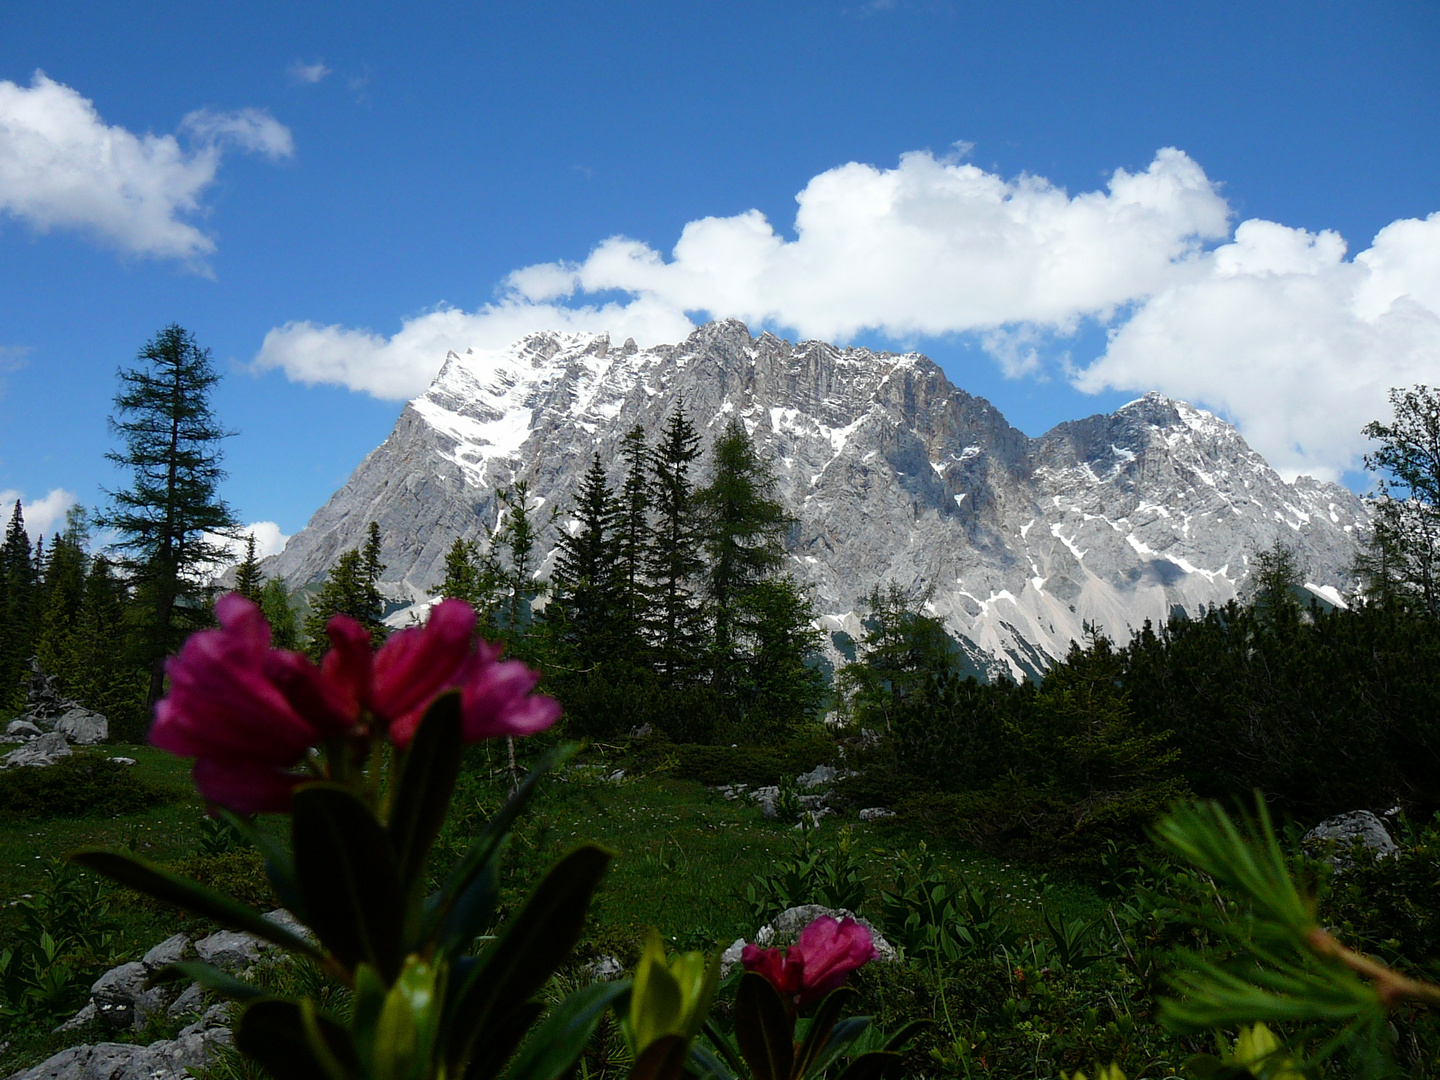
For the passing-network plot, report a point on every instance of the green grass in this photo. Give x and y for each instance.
(684, 857)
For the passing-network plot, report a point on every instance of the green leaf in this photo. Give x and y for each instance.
(294, 1042)
(346, 870)
(842, 1037)
(479, 854)
(897, 1041)
(555, 1045)
(704, 1062)
(211, 978)
(427, 780)
(472, 911)
(763, 1029)
(823, 1023)
(724, 1046)
(663, 1059)
(143, 877)
(533, 944)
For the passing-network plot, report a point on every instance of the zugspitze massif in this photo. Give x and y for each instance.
(892, 472)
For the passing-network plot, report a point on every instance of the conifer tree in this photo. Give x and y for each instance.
(633, 533)
(351, 588)
(673, 557)
(104, 677)
(17, 606)
(743, 528)
(588, 592)
(63, 592)
(1401, 563)
(248, 581)
(274, 601)
(171, 446)
(516, 534)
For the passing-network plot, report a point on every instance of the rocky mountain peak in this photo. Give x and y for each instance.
(893, 472)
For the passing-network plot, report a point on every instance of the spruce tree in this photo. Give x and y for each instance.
(673, 558)
(516, 534)
(171, 446)
(105, 678)
(248, 581)
(274, 601)
(743, 528)
(588, 592)
(62, 596)
(351, 588)
(633, 534)
(18, 595)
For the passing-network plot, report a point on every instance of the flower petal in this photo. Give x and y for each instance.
(416, 664)
(244, 787)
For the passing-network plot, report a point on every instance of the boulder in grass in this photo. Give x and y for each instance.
(83, 727)
(785, 928)
(46, 750)
(1343, 831)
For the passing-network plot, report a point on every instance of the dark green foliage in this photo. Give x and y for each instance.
(823, 872)
(1402, 562)
(673, 555)
(74, 786)
(352, 588)
(18, 604)
(274, 603)
(588, 610)
(756, 766)
(65, 939)
(903, 649)
(247, 575)
(172, 450)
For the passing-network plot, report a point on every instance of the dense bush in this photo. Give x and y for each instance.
(80, 784)
(753, 765)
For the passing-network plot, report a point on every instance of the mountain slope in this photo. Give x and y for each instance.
(893, 472)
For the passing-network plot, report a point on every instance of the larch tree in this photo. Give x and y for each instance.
(171, 447)
(1402, 560)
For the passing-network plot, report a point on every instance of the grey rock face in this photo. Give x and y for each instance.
(875, 813)
(229, 950)
(1343, 831)
(170, 1059)
(23, 728)
(819, 776)
(892, 472)
(170, 951)
(46, 750)
(120, 997)
(83, 727)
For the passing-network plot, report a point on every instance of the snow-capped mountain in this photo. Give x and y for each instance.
(893, 473)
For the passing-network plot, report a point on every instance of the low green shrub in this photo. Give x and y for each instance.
(81, 784)
(238, 872)
(754, 765)
(826, 874)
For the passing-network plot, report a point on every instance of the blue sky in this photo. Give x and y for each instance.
(1064, 204)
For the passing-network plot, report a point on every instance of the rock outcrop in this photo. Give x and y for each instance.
(50, 724)
(893, 473)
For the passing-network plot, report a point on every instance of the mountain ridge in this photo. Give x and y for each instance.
(892, 472)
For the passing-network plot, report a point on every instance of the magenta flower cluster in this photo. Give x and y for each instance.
(249, 714)
(824, 955)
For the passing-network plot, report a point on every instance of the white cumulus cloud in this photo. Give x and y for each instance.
(1288, 338)
(63, 167)
(44, 516)
(932, 246)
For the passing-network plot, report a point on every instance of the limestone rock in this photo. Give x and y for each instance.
(170, 951)
(892, 472)
(875, 813)
(23, 728)
(169, 1059)
(46, 750)
(229, 950)
(83, 727)
(819, 776)
(191, 999)
(1342, 832)
(605, 969)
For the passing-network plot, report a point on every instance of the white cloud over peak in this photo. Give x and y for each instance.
(43, 517)
(1271, 326)
(401, 366)
(63, 167)
(301, 72)
(1295, 344)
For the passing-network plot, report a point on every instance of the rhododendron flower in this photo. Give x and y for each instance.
(827, 951)
(249, 714)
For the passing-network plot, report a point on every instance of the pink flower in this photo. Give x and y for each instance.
(827, 951)
(224, 710)
(248, 713)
